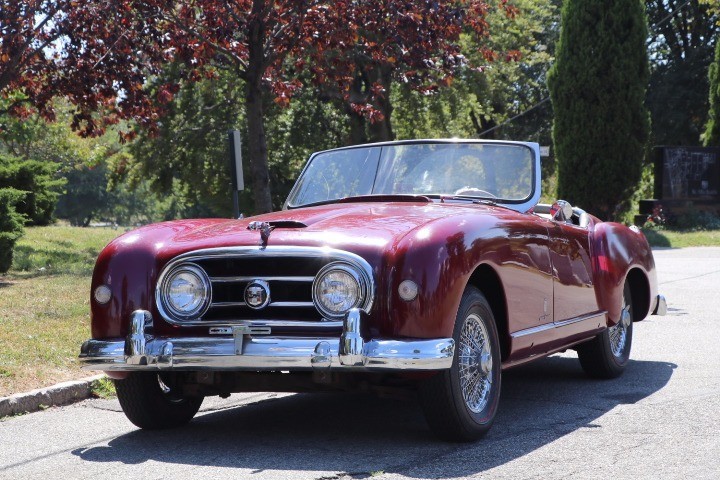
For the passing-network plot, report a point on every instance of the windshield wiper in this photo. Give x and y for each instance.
(482, 201)
(382, 197)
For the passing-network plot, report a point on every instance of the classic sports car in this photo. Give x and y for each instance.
(423, 265)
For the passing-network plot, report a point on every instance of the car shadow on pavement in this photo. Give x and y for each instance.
(359, 434)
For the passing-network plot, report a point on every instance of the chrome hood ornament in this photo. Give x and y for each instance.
(265, 229)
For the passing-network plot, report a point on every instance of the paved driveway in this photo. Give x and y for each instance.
(659, 420)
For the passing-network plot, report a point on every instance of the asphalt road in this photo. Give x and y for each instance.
(659, 420)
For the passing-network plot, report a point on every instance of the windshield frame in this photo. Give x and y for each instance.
(520, 205)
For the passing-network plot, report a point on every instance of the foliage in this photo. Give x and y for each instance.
(85, 196)
(416, 44)
(188, 158)
(597, 86)
(680, 45)
(712, 129)
(694, 220)
(37, 180)
(103, 387)
(11, 225)
(58, 48)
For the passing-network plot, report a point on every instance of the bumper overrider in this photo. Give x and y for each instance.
(248, 349)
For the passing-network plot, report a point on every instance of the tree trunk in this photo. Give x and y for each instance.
(257, 143)
(357, 127)
(257, 147)
(381, 131)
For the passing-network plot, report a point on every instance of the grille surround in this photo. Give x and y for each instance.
(312, 258)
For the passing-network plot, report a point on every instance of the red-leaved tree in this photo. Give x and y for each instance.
(391, 40)
(100, 53)
(95, 53)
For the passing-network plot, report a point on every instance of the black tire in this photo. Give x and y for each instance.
(607, 355)
(150, 402)
(449, 413)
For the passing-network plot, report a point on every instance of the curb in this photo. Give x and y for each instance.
(60, 394)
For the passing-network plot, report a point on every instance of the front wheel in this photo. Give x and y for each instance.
(460, 403)
(151, 401)
(606, 355)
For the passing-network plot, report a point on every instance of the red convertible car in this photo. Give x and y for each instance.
(422, 265)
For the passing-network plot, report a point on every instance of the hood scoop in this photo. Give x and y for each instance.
(286, 224)
(266, 228)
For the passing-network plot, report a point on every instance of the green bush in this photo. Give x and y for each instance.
(695, 220)
(597, 86)
(37, 180)
(11, 225)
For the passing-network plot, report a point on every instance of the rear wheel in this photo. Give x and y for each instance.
(606, 355)
(460, 403)
(152, 401)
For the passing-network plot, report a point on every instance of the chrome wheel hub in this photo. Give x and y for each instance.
(618, 333)
(475, 364)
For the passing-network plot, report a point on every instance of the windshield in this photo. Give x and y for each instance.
(498, 172)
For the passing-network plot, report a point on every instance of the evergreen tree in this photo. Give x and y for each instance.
(712, 129)
(597, 86)
(11, 225)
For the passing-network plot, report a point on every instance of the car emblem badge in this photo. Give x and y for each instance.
(265, 229)
(257, 294)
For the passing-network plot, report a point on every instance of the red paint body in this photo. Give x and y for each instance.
(549, 272)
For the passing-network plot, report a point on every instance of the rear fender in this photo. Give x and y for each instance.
(617, 250)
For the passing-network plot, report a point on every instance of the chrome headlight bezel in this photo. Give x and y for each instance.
(165, 306)
(358, 276)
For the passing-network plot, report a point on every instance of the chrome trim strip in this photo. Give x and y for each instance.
(550, 326)
(271, 304)
(330, 254)
(267, 279)
(291, 304)
(227, 304)
(242, 351)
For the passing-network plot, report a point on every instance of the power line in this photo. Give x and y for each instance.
(654, 27)
(515, 117)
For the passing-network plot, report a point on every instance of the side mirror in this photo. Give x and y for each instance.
(561, 211)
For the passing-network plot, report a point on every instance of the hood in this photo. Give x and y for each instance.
(355, 227)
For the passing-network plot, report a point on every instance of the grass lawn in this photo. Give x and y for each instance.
(676, 239)
(44, 306)
(44, 301)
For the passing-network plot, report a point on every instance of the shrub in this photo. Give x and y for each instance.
(11, 225)
(37, 180)
(597, 86)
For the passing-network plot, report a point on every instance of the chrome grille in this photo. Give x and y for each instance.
(289, 272)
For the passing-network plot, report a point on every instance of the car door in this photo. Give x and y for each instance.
(573, 290)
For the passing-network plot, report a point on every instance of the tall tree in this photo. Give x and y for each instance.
(251, 39)
(681, 44)
(711, 135)
(417, 44)
(597, 86)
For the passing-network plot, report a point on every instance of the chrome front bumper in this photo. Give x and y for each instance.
(246, 350)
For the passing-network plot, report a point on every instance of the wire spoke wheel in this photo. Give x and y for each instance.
(460, 403)
(475, 364)
(606, 355)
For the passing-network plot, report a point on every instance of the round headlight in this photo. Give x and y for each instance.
(337, 288)
(186, 291)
